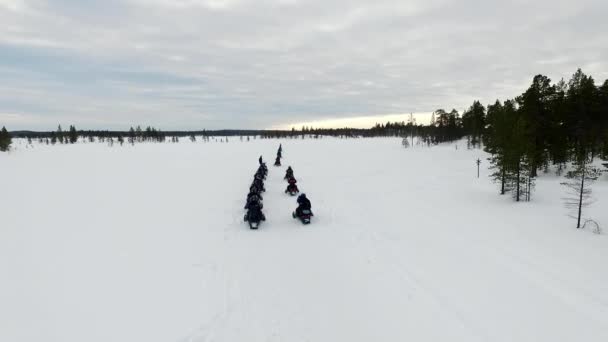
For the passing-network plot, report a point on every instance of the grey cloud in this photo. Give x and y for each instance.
(182, 64)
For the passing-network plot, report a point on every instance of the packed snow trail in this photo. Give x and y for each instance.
(148, 243)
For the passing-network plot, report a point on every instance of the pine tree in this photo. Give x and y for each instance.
(131, 138)
(60, 134)
(497, 140)
(603, 109)
(582, 114)
(473, 122)
(536, 110)
(5, 140)
(73, 135)
(520, 157)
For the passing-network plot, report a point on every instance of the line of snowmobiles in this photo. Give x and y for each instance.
(254, 204)
(292, 186)
(303, 211)
(254, 215)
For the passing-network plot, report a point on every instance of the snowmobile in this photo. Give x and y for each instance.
(253, 201)
(254, 216)
(259, 184)
(305, 216)
(253, 189)
(292, 189)
(260, 173)
(256, 194)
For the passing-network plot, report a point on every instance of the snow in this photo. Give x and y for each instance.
(148, 243)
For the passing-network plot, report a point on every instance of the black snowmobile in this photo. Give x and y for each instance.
(304, 215)
(254, 216)
(260, 173)
(303, 211)
(292, 188)
(259, 184)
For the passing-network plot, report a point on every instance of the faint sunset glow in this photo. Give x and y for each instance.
(357, 121)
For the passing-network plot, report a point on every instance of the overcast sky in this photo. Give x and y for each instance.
(190, 64)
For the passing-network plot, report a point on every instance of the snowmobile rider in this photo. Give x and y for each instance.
(254, 189)
(263, 169)
(255, 213)
(256, 194)
(259, 184)
(260, 173)
(288, 172)
(292, 187)
(252, 200)
(303, 204)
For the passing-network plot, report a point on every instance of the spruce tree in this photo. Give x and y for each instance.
(535, 108)
(60, 134)
(603, 109)
(497, 140)
(5, 140)
(131, 138)
(582, 114)
(73, 135)
(473, 122)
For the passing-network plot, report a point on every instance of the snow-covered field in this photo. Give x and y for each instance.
(147, 243)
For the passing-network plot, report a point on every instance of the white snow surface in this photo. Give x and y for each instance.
(147, 243)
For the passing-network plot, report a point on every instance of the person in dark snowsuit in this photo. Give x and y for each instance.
(255, 214)
(288, 173)
(260, 172)
(259, 184)
(263, 169)
(254, 189)
(303, 204)
(255, 193)
(252, 200)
